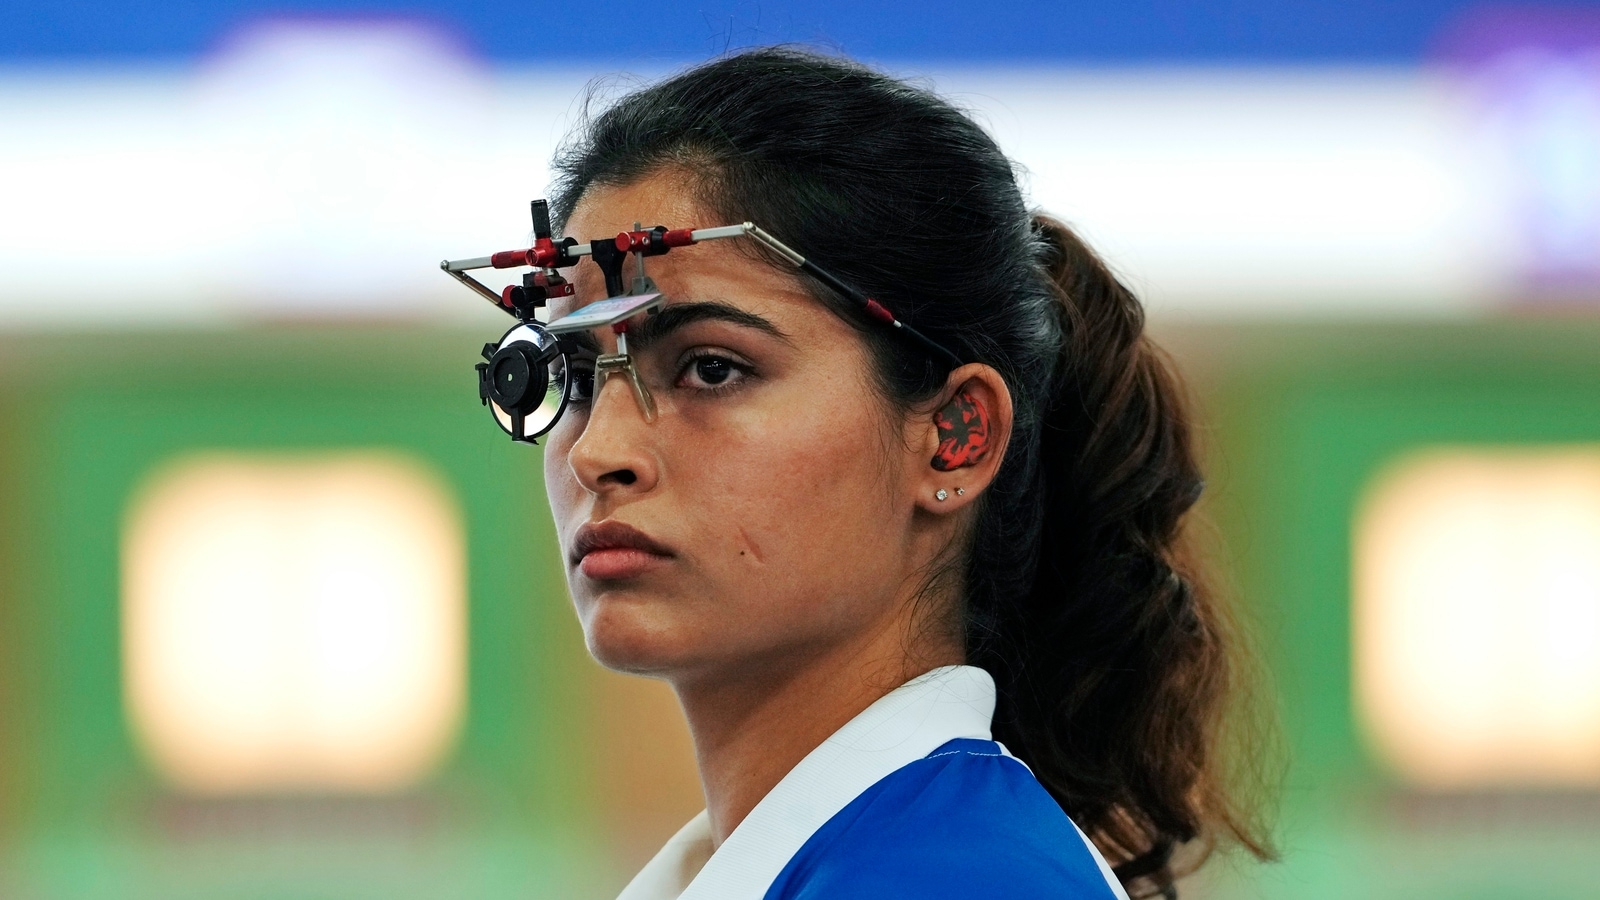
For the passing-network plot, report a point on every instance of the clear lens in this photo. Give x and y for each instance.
(539, 411)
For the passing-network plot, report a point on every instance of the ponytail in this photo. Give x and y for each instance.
(1111, 661)
(1113, 666)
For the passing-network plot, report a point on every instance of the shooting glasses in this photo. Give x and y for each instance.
(530, 375)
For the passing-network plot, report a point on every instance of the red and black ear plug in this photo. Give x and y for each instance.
(963, 425)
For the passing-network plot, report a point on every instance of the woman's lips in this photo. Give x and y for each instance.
(612, 565)
(610, 551)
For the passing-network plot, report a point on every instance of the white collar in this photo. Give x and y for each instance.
(903, 726)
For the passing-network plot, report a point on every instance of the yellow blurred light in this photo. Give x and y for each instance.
(294, 623)
(1477, 617)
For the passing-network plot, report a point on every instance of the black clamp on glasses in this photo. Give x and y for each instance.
(526, 378)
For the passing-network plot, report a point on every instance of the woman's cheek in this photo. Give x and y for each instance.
(795, 498)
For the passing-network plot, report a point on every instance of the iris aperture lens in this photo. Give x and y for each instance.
(524, 381)
(518, 377)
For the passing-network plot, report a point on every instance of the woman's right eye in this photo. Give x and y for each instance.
(580, 386)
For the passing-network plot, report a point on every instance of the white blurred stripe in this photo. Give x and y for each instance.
(309, 174)
(326, 174)
(1338, 191)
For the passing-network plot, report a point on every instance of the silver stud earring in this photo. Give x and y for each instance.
(940, 494)
(961, 492)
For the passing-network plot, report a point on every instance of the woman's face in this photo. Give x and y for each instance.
(765, 517)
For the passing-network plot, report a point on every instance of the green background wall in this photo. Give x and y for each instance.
(1300, 419)
(85, 421)
(1297, 419)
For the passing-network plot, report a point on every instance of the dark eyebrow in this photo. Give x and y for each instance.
(680, 315)
(583, 340)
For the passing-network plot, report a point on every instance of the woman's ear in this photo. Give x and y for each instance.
(963, 436)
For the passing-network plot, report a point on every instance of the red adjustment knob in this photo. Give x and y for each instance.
(543, 254)
(510, 259)
(629, 241)
(678, 237)
(550, 285)
(508, 296)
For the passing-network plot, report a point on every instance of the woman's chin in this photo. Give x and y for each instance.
(627, 638)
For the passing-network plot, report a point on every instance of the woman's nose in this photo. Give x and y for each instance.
(614, 453)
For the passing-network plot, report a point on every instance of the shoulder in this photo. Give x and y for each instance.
(964, 821)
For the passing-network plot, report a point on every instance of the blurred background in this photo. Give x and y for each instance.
(280, 610)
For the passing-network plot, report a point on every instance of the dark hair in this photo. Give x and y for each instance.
(1113, 666)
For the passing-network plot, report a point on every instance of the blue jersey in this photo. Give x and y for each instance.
(910, 799)
(964, 821)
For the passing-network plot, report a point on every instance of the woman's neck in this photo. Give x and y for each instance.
(750, 731)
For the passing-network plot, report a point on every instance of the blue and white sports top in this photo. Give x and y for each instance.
(910, 799)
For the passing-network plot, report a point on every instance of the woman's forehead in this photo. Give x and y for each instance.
(704, 273)
(713, 270)
(663, 199)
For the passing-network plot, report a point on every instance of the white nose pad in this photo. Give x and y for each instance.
(615, 312)
(622, 364)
